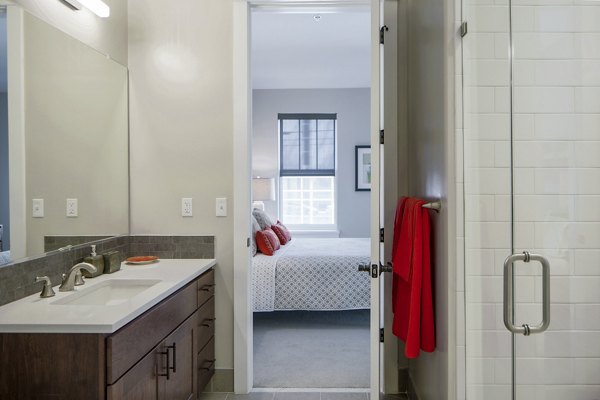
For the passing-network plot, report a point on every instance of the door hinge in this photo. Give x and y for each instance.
(464, 29)
(381, 136)
(381, 235)
(374, 271)
(381, 335)
(382, 31)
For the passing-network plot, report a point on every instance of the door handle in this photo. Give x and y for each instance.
(364, 268)
(382, 268)
(509, 283)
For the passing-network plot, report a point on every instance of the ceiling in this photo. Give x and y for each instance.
(292, 50)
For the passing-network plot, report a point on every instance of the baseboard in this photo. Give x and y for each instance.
(406, 384)
(411, 389)
(221, 382)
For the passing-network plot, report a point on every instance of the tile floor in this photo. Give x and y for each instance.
(295, 396)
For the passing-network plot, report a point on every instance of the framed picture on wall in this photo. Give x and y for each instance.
(362, 176)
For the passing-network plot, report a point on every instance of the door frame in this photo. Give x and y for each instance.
(242, 144)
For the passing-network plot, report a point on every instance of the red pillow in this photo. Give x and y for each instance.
(267, 242)
(283, 233)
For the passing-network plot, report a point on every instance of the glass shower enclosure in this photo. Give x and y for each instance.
(531, 118)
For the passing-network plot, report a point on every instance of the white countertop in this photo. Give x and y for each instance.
(36, 315)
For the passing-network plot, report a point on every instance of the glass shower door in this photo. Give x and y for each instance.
(532, 183)
(556, 193)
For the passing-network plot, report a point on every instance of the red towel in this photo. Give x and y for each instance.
(412, 295)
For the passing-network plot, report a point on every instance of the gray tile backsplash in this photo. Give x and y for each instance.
(56, 242)
(16, 280)
(173, 246)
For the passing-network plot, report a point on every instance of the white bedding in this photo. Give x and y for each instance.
(5, 257)
(313, 274)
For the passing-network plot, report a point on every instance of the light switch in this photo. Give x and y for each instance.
(186, 207)
(72, 206)
(37, 208)
(221, 210)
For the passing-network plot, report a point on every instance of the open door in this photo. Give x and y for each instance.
(376, 196)
(386, 135)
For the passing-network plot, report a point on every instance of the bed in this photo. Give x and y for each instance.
(313, 274)
(5, 257)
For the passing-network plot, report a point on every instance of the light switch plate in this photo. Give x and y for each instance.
(72, 208)
(221, 207)
(37, 210)
(186, 207)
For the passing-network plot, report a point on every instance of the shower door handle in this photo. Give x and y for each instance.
(526, 329)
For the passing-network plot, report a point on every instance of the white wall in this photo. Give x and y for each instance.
(180, 61)
(353, 109)
(107, 35)
(76, 136)
(431, 175)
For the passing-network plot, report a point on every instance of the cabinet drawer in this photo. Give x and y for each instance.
(129, 344)
(206, 286)
(206, 364)
(206, 323)
(140, 382)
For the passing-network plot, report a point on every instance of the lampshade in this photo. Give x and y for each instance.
(263, 189)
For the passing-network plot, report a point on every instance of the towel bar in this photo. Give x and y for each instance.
(434, 205)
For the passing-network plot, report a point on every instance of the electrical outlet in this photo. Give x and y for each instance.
(37, 210)
(186, 207)
(221, 207)
(72, 208)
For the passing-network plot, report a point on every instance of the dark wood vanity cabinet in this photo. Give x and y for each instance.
(167, 353)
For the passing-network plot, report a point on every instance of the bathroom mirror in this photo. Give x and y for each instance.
(64, 140)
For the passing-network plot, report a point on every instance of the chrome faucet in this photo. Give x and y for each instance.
(73, 277)
(47, 289)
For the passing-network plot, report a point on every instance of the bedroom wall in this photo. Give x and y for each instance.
(431, 176)
(181, 132)
(353, 109)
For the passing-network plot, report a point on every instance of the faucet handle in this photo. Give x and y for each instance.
(79, 278)
(47, 290)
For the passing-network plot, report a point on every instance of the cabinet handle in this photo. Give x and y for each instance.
(206, 288)
(167, 374)
(210, 365)
(207, 320)
(174, 367)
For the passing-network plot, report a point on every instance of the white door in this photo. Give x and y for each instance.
(376, 194)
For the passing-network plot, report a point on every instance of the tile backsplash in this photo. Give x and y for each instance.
(17, 279)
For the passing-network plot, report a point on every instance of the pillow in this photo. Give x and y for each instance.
(283, 233)
(267, 242)
(255, 228)
(262, 218)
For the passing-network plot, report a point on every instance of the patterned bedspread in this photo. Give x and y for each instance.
(5, 257)
(313, 274)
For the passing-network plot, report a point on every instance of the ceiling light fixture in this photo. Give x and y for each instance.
(317, 17)
(98, 7)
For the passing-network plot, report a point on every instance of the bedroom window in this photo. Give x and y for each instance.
(307, 170)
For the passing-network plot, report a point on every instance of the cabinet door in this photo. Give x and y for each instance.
(181, 346)
(140, 382)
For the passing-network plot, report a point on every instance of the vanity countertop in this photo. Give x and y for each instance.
(36, 315)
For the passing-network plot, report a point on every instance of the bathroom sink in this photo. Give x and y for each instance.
(108, 293)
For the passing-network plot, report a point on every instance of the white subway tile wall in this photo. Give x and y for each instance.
(554, 158)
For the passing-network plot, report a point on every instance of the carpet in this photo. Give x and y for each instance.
(311, 349)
